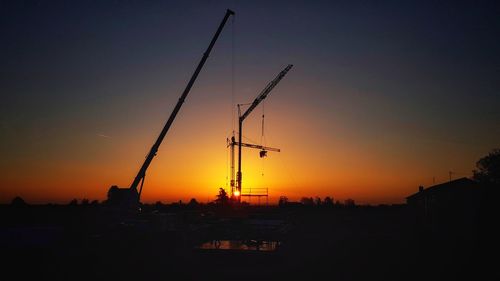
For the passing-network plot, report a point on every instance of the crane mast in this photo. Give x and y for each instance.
(243, 116)
(133, 196)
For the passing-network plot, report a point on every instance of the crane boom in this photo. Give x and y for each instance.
(142, 171)
(265, 92)
(258, 146)
(131, 196)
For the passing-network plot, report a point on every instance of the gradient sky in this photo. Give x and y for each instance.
(384, 96)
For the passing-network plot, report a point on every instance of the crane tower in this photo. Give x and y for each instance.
(237, 186)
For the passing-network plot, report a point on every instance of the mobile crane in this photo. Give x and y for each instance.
(130, 197)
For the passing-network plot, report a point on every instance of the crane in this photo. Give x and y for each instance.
(243, 116)
(131, 196)
(262, 153)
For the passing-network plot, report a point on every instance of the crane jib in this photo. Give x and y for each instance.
(265, 92)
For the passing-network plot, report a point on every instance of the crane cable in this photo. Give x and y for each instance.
(232, 76)
(262, 136)
(232, 126)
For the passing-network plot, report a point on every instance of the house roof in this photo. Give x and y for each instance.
(454, 184)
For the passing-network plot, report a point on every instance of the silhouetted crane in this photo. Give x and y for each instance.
(130, 197)
(262, 153)
(243, 116)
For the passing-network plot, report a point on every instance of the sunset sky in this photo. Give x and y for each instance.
(384, 96)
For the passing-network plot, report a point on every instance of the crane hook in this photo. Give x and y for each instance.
(263, 153)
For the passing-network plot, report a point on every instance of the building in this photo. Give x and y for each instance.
(448, 206)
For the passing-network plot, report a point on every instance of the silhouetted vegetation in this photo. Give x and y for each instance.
(307, 201)
(316, 202)
(18, 202)
(193, 203)
(283, 201)
(222, 198)
(488, 168)
(328, 201)
(349, 203)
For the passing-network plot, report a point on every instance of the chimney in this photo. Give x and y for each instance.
(420, 188)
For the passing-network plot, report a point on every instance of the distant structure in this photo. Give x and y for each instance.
(448, 205)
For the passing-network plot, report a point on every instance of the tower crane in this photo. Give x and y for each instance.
(242, 117)
(130, 197)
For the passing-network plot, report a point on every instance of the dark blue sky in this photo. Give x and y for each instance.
(396, 73)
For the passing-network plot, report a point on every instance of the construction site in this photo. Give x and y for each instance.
(241, 234)
(129, 198)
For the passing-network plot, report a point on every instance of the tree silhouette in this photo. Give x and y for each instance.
(18, 201)
(317, 201)
(349, 203)
(328, 201)
(158, 205)
(193, 203)
(488, 168)
(283, 201)
(222, 198)
(307, 201)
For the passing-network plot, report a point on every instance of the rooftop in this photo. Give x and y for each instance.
(460, 183)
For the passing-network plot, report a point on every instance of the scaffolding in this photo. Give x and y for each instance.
(256, 192)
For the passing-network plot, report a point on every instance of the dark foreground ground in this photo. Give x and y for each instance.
(96, 243)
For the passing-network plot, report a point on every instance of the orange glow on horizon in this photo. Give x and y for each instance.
(322, 153)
